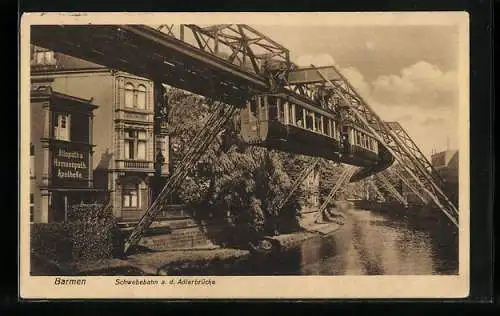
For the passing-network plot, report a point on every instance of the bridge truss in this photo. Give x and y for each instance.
(409, 169)
(231, 63)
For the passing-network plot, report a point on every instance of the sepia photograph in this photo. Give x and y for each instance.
(318, 155)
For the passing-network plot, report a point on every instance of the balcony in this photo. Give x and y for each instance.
(134, 115)
(142, 165)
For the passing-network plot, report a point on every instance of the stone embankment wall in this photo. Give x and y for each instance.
(178, 230)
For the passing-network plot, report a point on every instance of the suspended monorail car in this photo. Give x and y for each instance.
(286, 122)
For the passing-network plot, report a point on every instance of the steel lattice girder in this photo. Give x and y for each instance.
(217, 119)
(417, 173)
(341, 182)
(397, 171)
(233, 42)
(148, 53)
(413, 148)
(390, 188)
(368, 118)
(373, 186)
(278, 204)
(306, 85)
(162, 56)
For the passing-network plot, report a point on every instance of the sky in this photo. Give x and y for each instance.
(405, 73)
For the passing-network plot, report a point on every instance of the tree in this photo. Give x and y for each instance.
(231, 172)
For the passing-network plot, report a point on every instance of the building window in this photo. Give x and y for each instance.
(141, 97)
(32, 160)
(131, 196)
(32, 207)
(135, 144)
(62, 126)
(135, 98)
(42, 56)
(129, 95)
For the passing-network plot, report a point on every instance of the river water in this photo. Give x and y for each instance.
(379, 244)
(369, 243)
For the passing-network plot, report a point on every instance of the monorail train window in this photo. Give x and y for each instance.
(261, 101)
(253, 106)
(291, 112)
(281, 110)
(317, 123)
(299, 116)
(271, 100)
(329, 127)
(273, 109)
(309, 120)
(351, 136)
(334, 129)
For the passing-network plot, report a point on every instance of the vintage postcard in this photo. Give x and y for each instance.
(244, 155)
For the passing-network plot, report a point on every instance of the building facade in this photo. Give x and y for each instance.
(446, 164)
(125, 144)
(61, 154)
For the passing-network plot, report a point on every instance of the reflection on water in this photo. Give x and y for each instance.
(376, 244)
(369, 243)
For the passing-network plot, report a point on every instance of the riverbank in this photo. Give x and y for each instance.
(185, 262)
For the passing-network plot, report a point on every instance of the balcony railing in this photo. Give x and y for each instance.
(135, 164)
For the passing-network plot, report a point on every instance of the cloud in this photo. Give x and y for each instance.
(370, 45)
(421, 97)
(433, 121)
(357, 80)
(352, 74)
(421, 84)
(404, 118)
(316, 60)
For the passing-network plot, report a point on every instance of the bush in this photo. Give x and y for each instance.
(91, 234)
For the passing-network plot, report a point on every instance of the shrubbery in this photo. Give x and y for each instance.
(90, 234)
(230, 173)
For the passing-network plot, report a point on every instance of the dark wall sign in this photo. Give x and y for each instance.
(70, 165)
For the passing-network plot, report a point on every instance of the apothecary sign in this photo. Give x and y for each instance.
(70, 165)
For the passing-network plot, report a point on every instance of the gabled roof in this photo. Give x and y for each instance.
(46, 92)
(65, 62)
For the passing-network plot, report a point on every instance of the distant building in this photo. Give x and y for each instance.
(446, 164)
(125, 147)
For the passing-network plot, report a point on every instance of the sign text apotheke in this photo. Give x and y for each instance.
(70, 165)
